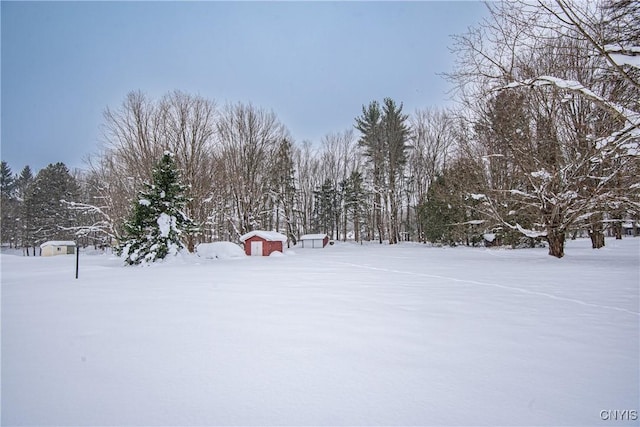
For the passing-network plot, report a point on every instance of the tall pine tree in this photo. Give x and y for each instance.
(396, 135)
(373, 142)
(384, 140)
(46, 216)
(158, 223)
(326, 208)
(355, 197)
(8, 204)
(25, 216)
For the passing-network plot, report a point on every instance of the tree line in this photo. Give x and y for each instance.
(543, 144)
(243, 171)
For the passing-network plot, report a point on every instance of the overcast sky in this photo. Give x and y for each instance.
(313, 64)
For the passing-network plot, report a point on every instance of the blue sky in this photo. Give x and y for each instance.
(313, 63)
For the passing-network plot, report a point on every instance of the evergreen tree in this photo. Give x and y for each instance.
(7, 180)
(439, 213)
(384, 138)
(47, 218)
(22, 188)
(326, 208)
(8, 204)
(23, 181)
(158, 222)
(354, 201)
(373, 143)
(396, 135)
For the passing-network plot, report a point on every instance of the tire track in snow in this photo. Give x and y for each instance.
(493, 285)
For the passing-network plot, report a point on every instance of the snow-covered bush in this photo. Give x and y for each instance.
(219, 250)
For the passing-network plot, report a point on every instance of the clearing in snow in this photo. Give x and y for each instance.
(350, 335)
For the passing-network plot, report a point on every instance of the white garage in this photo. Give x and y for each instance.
(313, 241)
(56, 247)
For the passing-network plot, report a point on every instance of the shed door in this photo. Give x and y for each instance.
(256, 248)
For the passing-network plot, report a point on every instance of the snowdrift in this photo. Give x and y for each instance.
(220, 250)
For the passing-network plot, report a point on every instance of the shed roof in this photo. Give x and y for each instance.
(313, 237)
(58, 243)
(266, 235)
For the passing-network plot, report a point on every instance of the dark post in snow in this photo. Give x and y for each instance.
(77, 258)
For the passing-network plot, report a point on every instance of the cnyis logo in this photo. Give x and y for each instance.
(618, 415)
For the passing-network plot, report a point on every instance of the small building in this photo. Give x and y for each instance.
(262, 243)
(314, 241)
(57, 247)
(631, 228)
(490, 240)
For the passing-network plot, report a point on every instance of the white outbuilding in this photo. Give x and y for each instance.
(314, 241)
(58, 247)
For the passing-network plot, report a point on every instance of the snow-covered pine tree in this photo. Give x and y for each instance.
(158, 222)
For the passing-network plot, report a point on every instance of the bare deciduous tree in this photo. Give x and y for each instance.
(551, 54)
(135, 136)
(249, 138)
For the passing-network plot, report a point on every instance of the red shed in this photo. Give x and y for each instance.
(262, 243)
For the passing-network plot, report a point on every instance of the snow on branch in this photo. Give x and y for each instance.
(576, 87)
(530, 233)
(523, 194)
(624, 136)
(542, 174)
(105, 225)
(624, 55)
(475, 196)
(471, 222)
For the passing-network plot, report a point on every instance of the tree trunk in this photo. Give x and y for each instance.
(408, 219)
(393, 232)
(597, 239)
(617, 229)
(356, 228)
(191, 246)
(556, 243)
(596, 234)
(378, 220)
(344, 225)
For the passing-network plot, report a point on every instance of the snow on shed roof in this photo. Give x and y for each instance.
(266, 235)
(313, 237)
(58, 243)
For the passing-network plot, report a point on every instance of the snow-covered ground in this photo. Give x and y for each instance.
(346, 335)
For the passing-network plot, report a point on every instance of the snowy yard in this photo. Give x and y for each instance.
(346, 335)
